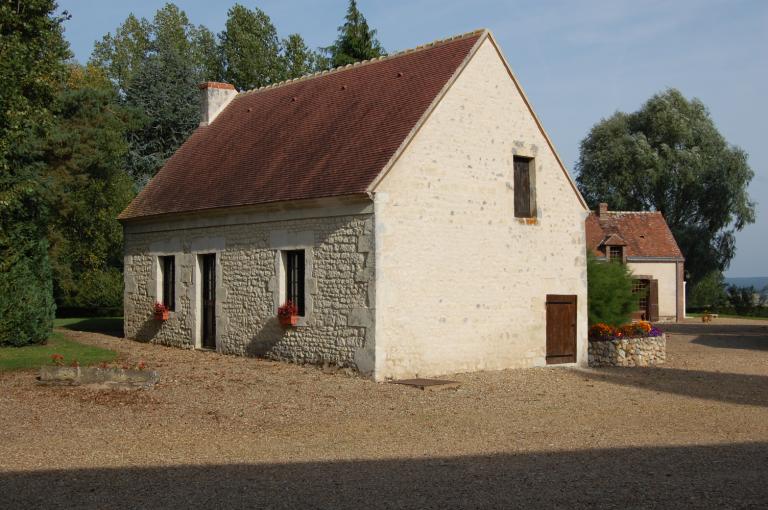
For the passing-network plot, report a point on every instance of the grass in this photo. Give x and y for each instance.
(109, 325)
(730, 316)
(33, 356)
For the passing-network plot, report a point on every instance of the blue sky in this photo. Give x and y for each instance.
(579, 61)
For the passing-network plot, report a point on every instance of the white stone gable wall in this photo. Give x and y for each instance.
(461, 283)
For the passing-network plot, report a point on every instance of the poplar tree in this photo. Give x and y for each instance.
(250, 49)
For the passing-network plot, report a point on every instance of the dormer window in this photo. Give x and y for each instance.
(616, 253)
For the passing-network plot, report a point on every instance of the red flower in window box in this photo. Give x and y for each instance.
(288, 314)
(161, 312)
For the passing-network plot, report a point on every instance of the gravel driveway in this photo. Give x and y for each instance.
(223, 431)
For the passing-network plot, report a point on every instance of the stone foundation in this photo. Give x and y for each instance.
(628, 352)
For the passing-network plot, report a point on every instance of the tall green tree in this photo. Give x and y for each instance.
(356, 40)
(298, 58)
(32, 64)
(86, 153)
(206, 55)
(668, 156)
(250, 49)
(165, 92)
(121, 55)
(156, 66)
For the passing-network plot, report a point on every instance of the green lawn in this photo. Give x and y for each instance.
(730, 316)
(109, 325)
(33, 356)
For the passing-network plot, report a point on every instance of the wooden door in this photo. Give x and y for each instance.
(653, 301)
(561, 329)
(209, 301)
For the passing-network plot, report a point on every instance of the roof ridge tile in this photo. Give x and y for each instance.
(345, 67)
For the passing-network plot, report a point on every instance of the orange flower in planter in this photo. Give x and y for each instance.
(601, 331)
(288, 314)
(161, 312)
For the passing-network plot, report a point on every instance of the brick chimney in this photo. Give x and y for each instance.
(602, 209)
(214, 97)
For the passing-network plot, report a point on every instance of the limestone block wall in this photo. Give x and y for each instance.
(338, 325)
(462, 283)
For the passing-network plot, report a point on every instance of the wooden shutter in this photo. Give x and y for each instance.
(522, 189)
(653, 300)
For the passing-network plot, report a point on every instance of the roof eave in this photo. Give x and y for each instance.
(318, 202)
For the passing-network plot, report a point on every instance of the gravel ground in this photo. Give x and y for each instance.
(221, 431)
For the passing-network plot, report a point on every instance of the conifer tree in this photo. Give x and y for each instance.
(356, 40)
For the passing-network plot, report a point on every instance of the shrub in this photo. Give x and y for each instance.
(100, 289)
(26, 293)
(709, 292)
(610, 298)
(744, 300)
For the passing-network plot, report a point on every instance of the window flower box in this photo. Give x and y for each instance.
(288, 314)
(161, 312)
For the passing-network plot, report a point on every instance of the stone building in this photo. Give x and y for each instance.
(412, 206)
(643, 241)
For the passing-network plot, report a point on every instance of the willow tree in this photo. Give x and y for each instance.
(669, 156)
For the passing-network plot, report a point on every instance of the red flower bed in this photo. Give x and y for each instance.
(639, 329)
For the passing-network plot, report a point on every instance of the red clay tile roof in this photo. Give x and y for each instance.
(646, 234)
(326, 135)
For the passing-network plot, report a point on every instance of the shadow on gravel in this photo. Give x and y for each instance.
(697, 476)
(724, 387)
(724, 336)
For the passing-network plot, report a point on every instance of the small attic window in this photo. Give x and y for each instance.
(616, 252)
(525, 199)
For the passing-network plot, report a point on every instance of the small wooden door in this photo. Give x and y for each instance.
(561, 329)
(209, 301)
(653, 301)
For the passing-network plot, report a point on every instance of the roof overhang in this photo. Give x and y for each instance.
(354, 204)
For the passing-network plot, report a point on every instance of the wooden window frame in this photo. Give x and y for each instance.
(168, 281)
(524, 186)
(641, 287)
(620, 256)
(295, 263)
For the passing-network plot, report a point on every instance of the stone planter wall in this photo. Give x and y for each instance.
(628, 352)
(116, 377)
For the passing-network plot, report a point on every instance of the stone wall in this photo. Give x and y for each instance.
(337, 327)
(628, 352)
